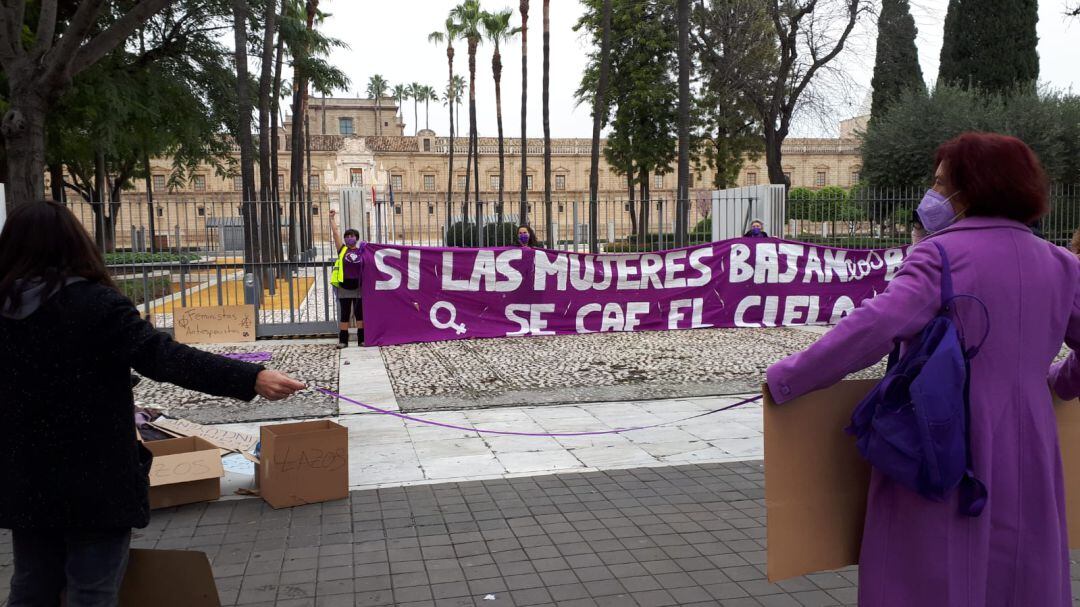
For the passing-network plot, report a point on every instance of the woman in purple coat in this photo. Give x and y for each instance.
(987, 189)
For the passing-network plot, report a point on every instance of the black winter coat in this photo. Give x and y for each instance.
(69, 458)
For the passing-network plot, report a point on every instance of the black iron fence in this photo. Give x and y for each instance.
(182, 252)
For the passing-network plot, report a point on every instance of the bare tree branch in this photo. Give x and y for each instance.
(46, 27)
(60, 56)
(100, 45)
(10, 48)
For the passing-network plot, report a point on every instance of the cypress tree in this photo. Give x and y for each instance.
(991, 45)
(896, 68)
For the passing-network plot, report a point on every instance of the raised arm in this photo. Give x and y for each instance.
(868, 333)
(335, 230)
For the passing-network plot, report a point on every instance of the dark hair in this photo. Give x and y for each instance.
(532, 235)
(996, 176)
(352, 231)
(1076, 242)
(43, 240)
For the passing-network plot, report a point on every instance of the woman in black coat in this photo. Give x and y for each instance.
(74, 477)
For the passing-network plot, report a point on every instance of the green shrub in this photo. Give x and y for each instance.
(130, 258)
(461, 234)
(140, 291)
(501, 234)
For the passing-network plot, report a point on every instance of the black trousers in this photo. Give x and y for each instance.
(88, 564)
(350, 307)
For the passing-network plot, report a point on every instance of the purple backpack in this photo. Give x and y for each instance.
(913, 424)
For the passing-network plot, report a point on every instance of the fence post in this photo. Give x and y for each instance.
(715, 215)
(574, 225)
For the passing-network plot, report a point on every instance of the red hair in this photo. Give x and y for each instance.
(996, 176)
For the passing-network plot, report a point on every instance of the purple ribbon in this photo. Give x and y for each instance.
(249, 357)
(507, 432)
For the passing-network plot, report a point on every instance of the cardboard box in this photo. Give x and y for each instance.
(303, 463)
(184, 471)
(816, 481)
(168, 578)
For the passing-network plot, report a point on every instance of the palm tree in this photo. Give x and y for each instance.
(682, 202)
(600, 110)
(439, 37)
(523, 8)
(497, 28)
(458, 94)
(429, 96)
(416, 91)
(401, 93)
(376, 89)
(547, 121)
(469, 19)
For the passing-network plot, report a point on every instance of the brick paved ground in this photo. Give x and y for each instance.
(684, 535)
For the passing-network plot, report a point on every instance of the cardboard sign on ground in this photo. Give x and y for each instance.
(214, 324)
(816, 481)
(184, 471)
(224, 439)
(303, 463)
(169, 578)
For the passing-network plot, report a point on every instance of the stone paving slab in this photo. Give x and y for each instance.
(597, 367)
(689, 535)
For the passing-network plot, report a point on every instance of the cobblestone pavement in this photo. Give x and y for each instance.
(587, 368)
(315, 364)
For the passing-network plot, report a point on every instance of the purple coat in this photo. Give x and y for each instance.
(918, 552)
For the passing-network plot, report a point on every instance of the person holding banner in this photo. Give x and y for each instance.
(345, 278)
(74, 477)
(526, 237)
(757, 230)
(987, 190)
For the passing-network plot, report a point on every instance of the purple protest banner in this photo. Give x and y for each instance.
(420, 294)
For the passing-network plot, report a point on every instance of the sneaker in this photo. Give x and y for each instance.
(341, 346)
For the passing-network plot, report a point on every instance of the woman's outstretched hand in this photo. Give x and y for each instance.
(274, 385)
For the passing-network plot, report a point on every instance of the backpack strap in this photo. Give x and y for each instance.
(973, 493)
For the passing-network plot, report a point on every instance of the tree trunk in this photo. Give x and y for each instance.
(773, 157)
(415, 115)
(275, 135)
(496, 69)
(682, 194)
(643, 219)
(632, 203)
(450, 108)
(324, 114)
(309, 215)
(547, 122)
(473, 135)
(523, 210)
(56, 179)
(268, 206)
(24, 141)
(247, 164)
(468, 177)
(599, 114)
(150, 219)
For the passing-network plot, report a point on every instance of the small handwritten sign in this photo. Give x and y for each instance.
(185, 467)
(223, 439)
(215, 324)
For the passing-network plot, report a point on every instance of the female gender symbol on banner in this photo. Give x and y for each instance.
(451, 323)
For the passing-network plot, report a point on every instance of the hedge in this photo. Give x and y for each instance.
(155, 287)
(128, 258)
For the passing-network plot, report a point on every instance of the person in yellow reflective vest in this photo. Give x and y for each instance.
(345, 278)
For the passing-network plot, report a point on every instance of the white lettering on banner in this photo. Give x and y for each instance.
(791, 253)
(512, 315)
(613, 318)
(545, 267)
(813, 266)
(893, 259)
(651, 264)
(503, 267)
(534, 324)
(581, 274)
(633, 310)
(794, 305)
(605, 269)
(584, 311)
(841, 308)
(835, 262)
(394, 282)
(626, 272)
(483, 271)
(673, 264)
(766, 264)
(745, 304)
(864, 267)
(697, 262)
(740, 270)
(414, 269)
(449, 283)
(697, 306)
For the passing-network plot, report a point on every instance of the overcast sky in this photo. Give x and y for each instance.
(391, 39)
